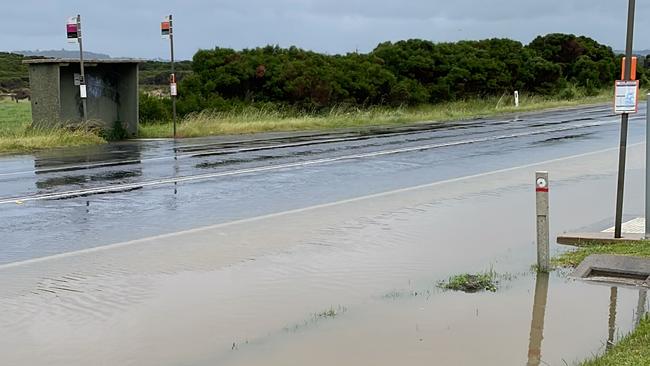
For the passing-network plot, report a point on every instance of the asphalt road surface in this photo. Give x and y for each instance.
(62, 201)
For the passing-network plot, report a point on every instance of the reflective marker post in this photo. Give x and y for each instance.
(516, 98)
(541, 194)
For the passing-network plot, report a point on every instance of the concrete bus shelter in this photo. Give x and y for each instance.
(112, 92)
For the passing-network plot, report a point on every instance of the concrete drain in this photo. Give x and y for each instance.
(615, 269)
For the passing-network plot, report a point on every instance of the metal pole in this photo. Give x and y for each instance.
(82, 82)
(624, 124)
(541, 195)
(647, 170)
(171, 43)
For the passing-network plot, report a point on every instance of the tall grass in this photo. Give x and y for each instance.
(252, 120)
(18, 135)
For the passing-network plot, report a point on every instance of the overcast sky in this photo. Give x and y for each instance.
(130, 28)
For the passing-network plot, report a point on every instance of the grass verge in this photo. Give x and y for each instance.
(253, 120)
(471, 282)
(632, 350)
(17, 134)
(573, 258)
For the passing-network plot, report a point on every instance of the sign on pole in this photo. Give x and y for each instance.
(626, 99)
(167, 32)
(72, 28)
(172, 86)
(165, 28)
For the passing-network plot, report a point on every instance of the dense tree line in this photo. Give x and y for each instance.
(13, 74)
(400, 73)
(156, 73)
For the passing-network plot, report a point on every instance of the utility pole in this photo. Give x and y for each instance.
(167, 29)
(624, 123)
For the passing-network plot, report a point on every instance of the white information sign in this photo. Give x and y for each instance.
(627, 97)
(174, 90)
(82, 91)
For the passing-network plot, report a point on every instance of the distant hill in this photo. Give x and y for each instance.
(63, 54)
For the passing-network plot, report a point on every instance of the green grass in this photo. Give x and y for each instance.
(17, 134)
(573, 258)
(471, 282)
(633, 350)
(271, 120)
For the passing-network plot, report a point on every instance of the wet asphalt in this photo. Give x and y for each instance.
(66, 200)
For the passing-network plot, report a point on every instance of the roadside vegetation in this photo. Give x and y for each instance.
(632, 350)
(575, 257)
(226, 91)
(18, 135)
(13, 74)
(252, 119)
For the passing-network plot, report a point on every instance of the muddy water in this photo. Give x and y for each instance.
(246, 292)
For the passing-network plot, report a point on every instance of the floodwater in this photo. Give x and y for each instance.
(350, 283)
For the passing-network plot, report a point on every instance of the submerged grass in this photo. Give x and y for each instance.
(18, 135)
(254, 120)
(471, 282)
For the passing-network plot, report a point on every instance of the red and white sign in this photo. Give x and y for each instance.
(166, 28)
(72, 28)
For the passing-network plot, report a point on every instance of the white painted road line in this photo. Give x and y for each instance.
(199, 177)
(305, 209)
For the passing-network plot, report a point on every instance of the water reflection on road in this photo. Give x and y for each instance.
(537, 324)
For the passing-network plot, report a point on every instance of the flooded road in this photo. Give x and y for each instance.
(63, 201)
(346, 278)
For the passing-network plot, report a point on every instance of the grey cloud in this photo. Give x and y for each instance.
(130, 28)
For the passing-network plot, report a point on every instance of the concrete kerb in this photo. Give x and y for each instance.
(633, 231)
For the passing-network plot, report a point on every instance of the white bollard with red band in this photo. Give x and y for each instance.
(541, 193)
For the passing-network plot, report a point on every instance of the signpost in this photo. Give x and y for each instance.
(73, 28)
(626, 96)
(167, 32)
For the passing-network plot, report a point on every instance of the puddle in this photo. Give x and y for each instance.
(530, 323)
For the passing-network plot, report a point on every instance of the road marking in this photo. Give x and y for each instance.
(232, 150)
(301, 164)
(304, 209)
